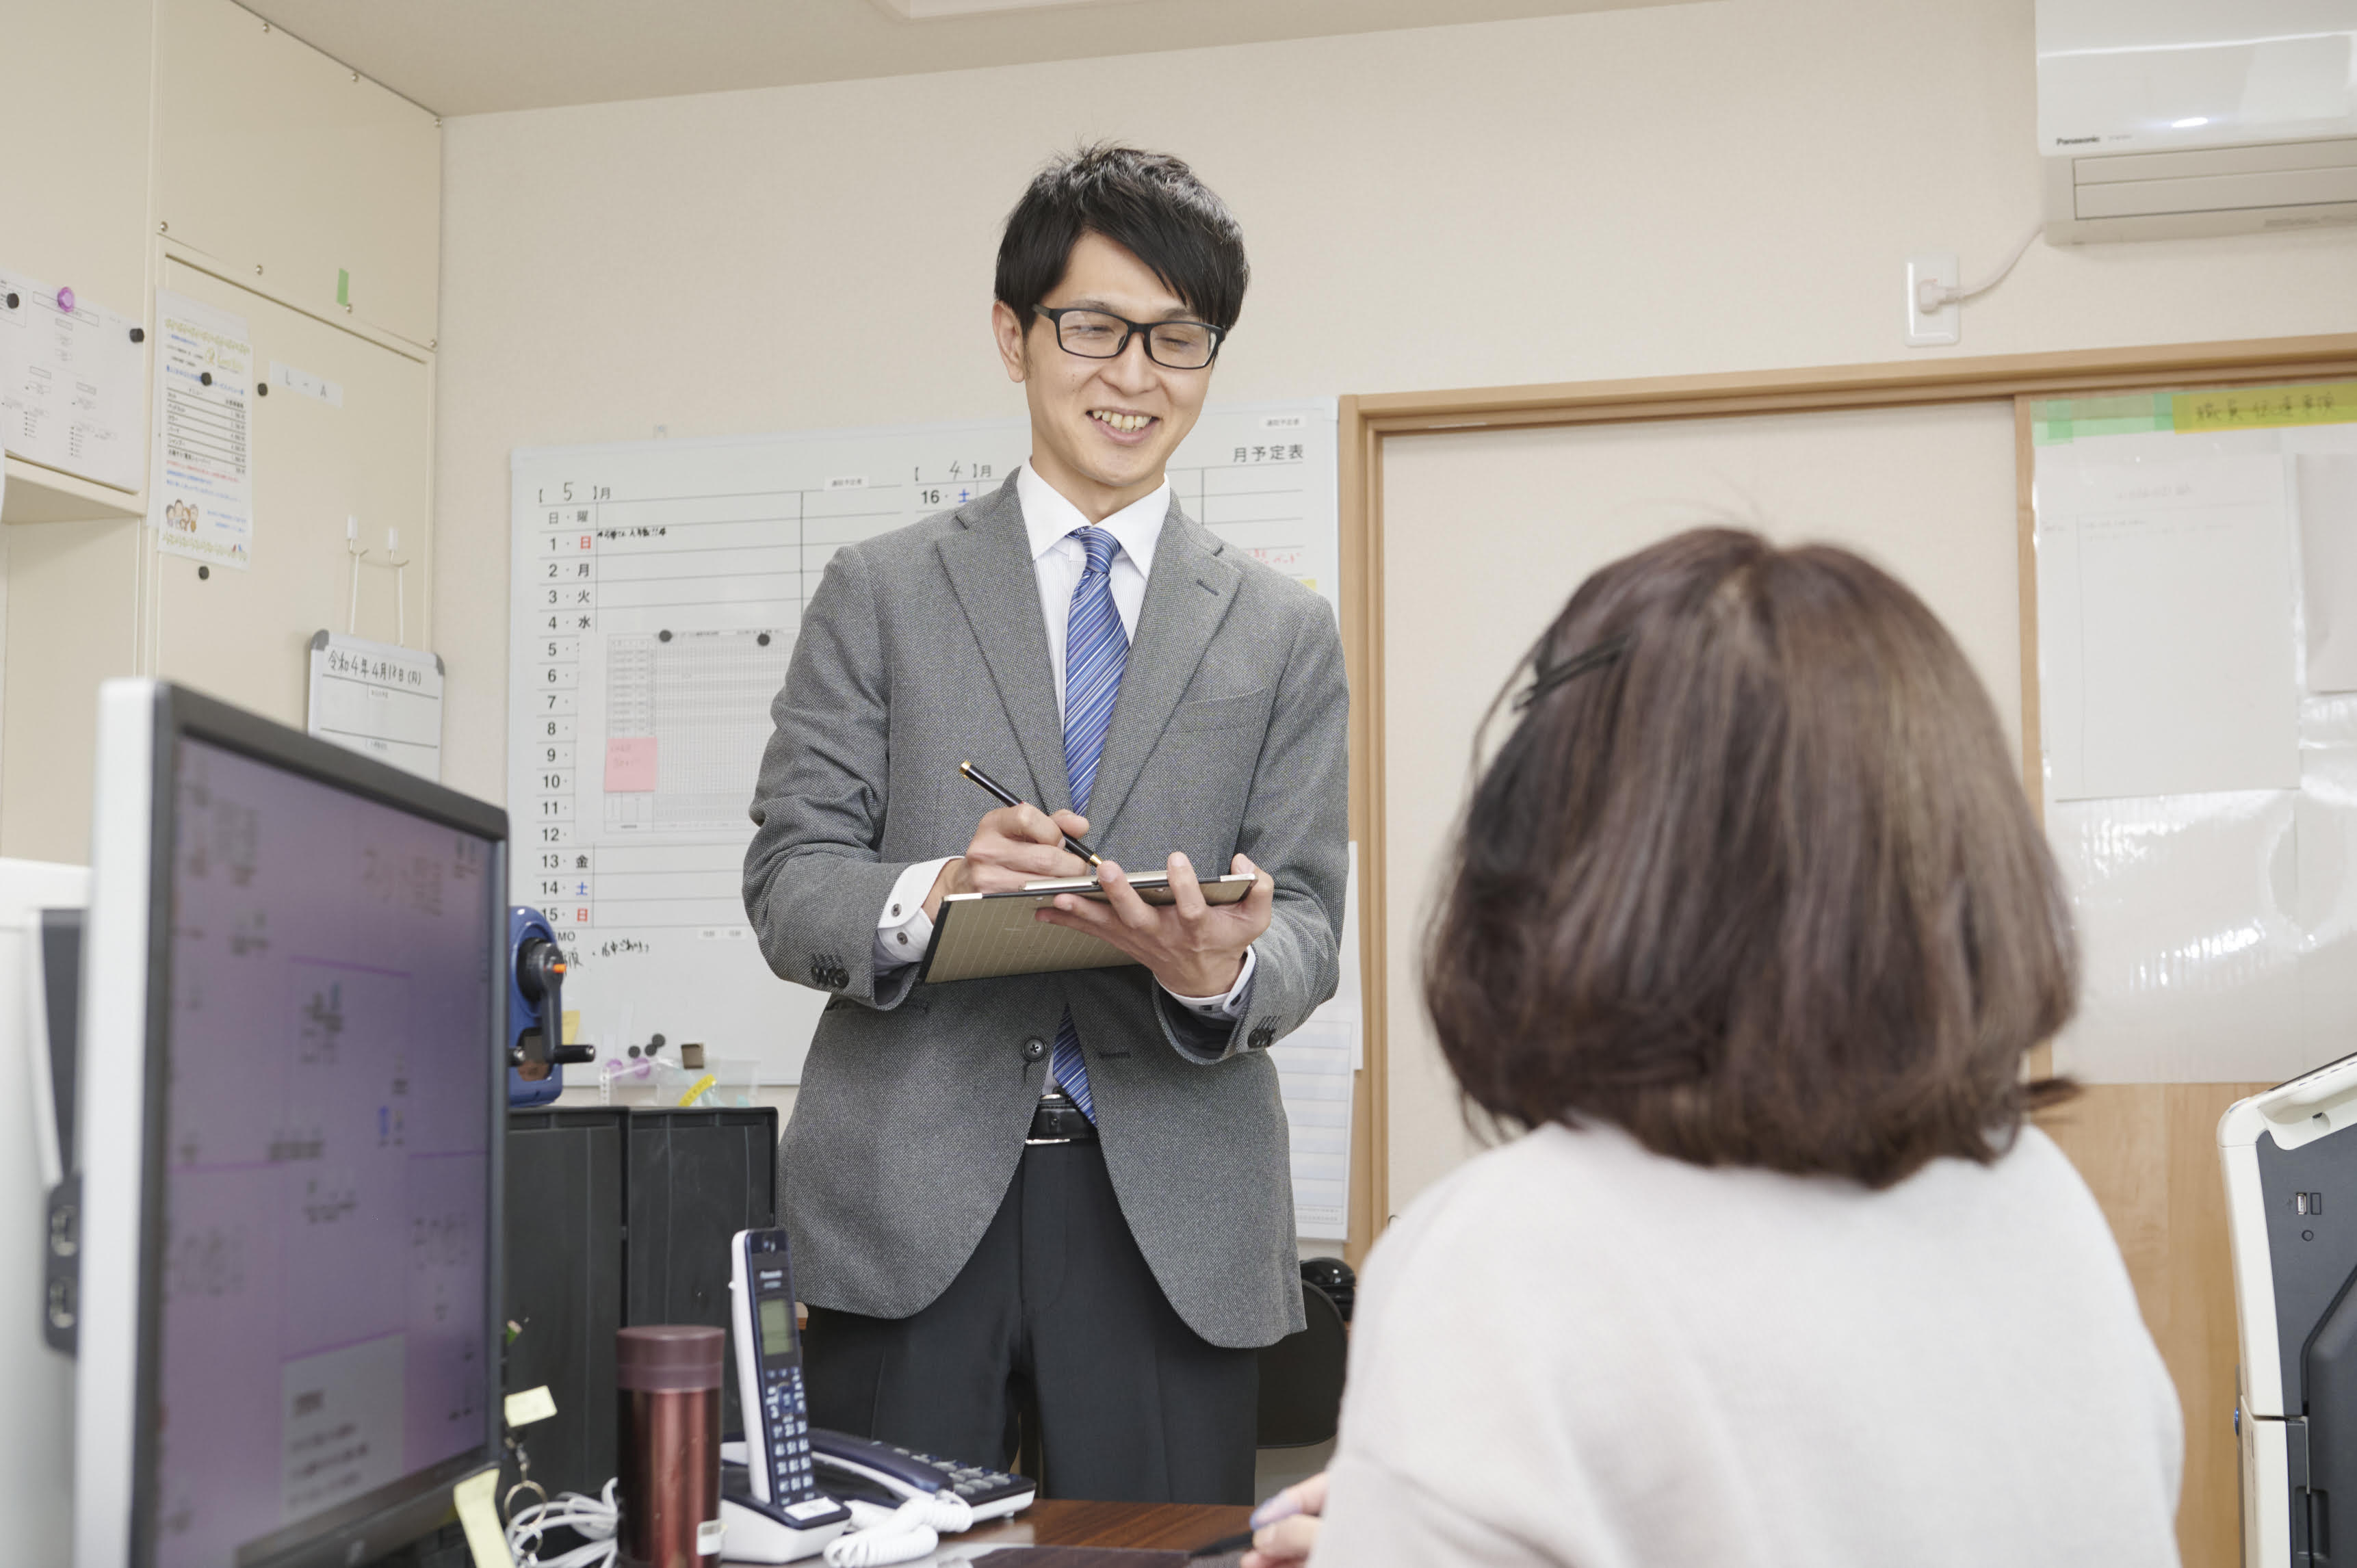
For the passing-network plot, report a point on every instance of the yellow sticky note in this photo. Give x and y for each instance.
(2263, 408)
(572, 1026)
(533, 1404)
(479, 1516)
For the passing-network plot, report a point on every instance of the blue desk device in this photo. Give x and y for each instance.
(536, 1048)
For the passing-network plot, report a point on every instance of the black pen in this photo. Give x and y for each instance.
(1223, 1546)
(1008, 798)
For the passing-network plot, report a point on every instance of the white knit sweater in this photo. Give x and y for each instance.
(1574, 1351)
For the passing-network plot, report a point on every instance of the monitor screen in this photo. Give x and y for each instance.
(327, 1172)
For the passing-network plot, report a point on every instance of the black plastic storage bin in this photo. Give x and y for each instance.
(616, 1217)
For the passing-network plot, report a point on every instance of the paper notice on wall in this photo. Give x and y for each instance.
(70, 376)
(2164, 594)
(379, 699)
(2326, 483)
(201, 501)
(1313, 1075)
(1316, 1068)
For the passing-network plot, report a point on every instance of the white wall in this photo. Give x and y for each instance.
(1926, 493)
(1697, 188)
(1713, 187)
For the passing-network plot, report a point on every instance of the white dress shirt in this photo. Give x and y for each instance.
(902, 930)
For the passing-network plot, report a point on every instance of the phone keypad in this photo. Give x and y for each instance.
(786, 1419)
(972, 1482)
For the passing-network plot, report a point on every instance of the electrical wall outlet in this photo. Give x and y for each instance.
(1944, 325)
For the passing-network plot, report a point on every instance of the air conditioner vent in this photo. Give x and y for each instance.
(2204, 190)
(2162, 118)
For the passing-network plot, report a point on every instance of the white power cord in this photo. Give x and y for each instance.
(880, 1536)
(352, 548)
(596, 1518)
(1931, 296)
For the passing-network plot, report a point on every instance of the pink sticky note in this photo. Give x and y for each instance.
(630, 765)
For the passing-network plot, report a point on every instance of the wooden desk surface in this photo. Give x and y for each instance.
(1180, 1527)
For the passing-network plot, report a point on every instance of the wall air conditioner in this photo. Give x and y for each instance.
(2165, 118)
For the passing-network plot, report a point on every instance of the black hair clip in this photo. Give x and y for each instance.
(1596, 658)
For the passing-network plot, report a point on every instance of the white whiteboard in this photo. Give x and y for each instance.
(657, 589)
(2196, 584)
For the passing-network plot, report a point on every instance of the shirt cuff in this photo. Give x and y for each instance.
(902, 931)
(1228, 1005)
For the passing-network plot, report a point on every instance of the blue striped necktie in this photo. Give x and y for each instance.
(1096, 649)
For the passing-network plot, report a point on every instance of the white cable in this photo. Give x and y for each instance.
(945, 1511)
(596, 1518)
(400, 565)
(1931, 297)
(880, 1536)
(353, 615)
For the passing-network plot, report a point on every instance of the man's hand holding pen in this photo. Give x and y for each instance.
(1192, 948)
(1011, 846)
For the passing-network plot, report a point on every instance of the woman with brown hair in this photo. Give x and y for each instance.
(1750, 922)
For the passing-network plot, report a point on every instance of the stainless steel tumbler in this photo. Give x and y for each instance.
(667, 1377)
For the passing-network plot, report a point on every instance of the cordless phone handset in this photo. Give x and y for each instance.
(785, 1518)
(769, 1367)
(781, 1520)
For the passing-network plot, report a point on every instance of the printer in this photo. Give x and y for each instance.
(2290, 1164)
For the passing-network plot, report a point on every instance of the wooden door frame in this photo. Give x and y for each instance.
(1368, 422)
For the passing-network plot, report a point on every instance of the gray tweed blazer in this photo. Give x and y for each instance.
(924, 646)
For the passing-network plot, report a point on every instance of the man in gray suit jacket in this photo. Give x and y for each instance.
(1061, 1197)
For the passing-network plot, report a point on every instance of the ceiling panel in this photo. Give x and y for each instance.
(477, 57)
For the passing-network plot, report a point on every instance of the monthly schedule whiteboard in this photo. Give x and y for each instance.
(658, 588)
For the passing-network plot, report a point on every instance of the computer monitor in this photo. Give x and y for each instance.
(292, 1101)
(36, 1380)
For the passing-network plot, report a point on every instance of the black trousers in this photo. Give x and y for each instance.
(1057, 1312)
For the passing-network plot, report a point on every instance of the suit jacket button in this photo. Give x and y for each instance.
(1034, 1048)
(1262, 1037)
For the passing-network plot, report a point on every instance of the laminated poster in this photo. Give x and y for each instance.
(202, 504)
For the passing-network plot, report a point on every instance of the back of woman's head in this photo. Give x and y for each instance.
(1754, 876)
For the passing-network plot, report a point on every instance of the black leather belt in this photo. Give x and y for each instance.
(1058, 1120)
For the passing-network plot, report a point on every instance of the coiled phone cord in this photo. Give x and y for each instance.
(880, 1536)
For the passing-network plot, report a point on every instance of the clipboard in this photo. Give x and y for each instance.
(982, 936)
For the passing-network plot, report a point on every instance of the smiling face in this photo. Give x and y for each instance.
(1102, 430)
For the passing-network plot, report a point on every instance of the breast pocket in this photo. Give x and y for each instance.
(1244, 710)
(1195, 787)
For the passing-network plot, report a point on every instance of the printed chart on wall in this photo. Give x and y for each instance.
(69, 377)
(2197, 649)
(658, 588)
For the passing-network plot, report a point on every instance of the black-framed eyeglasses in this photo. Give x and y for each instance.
(1100, 335)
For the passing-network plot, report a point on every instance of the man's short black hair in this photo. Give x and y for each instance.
(1151, 205)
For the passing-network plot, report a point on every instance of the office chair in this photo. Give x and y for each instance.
(1301, 1378)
